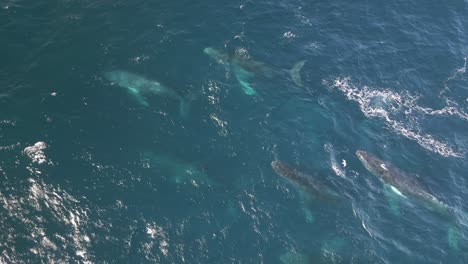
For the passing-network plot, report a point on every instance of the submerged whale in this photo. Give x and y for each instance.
(140, 87)
(401, 183)
(176, 170)
(303, 181)
(245, 68)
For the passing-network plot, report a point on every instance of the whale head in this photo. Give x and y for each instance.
(372, 164)
(362, 156)
(119, 77)
(283, 169)
(216, 54)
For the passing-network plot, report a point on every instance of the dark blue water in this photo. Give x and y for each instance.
(118, 179)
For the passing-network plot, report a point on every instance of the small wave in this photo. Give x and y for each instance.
(459, 72)
(4, 138)
(289, 35)
(337, 169)
(395, 108)
(139, 59)
(156, 232)
(363, 217)
(299, 14)
(222, 125)
(458, 75)
(425, 140)
(8, 122)
(448, 110)
(29, 212)
(10, 147)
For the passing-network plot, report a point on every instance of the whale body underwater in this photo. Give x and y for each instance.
(303, 181)
(140, 88)
(245, 68)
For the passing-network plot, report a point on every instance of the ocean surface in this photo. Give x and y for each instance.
(122, 140)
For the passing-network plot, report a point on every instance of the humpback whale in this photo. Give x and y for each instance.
(408, 187)
(401, 183)
(307, 186)
(303, 181)
(176, 170)
(245, 68)
(140, 87)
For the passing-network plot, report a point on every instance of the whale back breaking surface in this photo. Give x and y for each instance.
(390, 174)
(406, 184)
(303, 180)
(251, 65)
(137, 84)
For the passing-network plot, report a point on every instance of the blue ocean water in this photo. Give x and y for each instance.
(95, 172)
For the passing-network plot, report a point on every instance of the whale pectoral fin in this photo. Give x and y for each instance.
(143, 101)
(308, 215)
(243, 76)
(396, 191)
(305, 197)
(185, 105)
(295, 72)
(452, 237)
(137, 95)
(392, 199)
(293, 257)
(306, 200)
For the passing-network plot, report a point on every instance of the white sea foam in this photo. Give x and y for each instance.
(299, 14)
(289, 35)
(212, 91)
(363, 217)
(10, 147)
(7, 122)
(5, 138)
(139, 59)
(222, 125)
(313, 46)
(449, 90)
(242, 52)
(400, 112)
(36, 152)
(30, 211)
(157, 233)
(460, 71)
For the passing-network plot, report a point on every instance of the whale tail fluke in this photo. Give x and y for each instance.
(456, 238)
(453, 238)
(186, 105)
(243, 77)
(140, 99)
(295, 72)
(293, 257)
